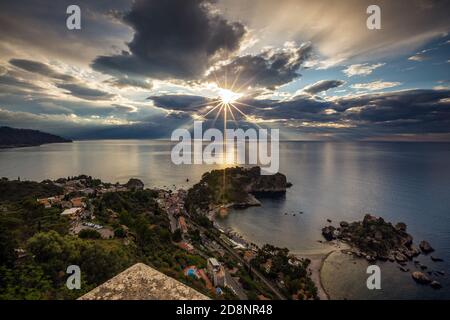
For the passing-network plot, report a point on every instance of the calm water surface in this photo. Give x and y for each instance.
(407, 182)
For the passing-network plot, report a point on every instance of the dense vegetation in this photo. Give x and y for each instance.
(277, 265)
(11, 137)
(15, 190)
(232, 185)
(36, 247)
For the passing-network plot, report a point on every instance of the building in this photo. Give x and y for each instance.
(186, 246)
(72, 212)
(45, 202)
(182, 225)
(216, 272)
(48, 202)
(78, 202)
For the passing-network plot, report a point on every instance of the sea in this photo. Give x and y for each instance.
(400, 181)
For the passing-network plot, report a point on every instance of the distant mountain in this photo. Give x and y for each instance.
(12, 137)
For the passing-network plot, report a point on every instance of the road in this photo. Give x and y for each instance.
(256, 273)
(235, 286)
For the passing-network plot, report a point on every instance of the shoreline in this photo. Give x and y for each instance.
(317, 258)
(317, 262)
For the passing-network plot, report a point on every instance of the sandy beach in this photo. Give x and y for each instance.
(317, 260)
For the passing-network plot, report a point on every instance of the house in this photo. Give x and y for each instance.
(216, 272)
(186, 246)
(72, 212)
(78, 202)
(182, 225)
(48, 202)
(45, 202)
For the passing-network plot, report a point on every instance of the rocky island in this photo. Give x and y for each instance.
(234, 187)
(374, 239)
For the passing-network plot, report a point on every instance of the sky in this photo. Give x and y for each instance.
(143, 68)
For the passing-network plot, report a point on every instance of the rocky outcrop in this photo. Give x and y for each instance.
(134, 184)
(236, 187)
(266, 185)
(436, 259)
(328, 233)
(425, 247)
(435, 285)
(375, 238)
(420, 277)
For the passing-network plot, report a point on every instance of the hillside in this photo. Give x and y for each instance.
(12, 137)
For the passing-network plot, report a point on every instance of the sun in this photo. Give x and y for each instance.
(227, 96)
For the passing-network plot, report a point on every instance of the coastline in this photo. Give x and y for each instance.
(317, 258)
(317, 262)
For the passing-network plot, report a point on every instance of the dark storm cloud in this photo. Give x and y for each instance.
(40, 68)
(179, 102)
(269, 69)
(420, 109)
(412, 111)
(322, 86)
(12, 84)
(173, 39)
(84, 92)
(39, 27)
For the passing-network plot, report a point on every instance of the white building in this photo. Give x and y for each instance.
(72, 211)
(216, 272)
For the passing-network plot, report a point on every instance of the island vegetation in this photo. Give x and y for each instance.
(374, 239)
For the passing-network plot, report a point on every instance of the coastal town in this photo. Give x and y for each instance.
(175, 232)
(229, 268)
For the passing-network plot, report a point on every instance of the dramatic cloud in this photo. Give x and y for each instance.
(375, 85)
(37, 29)
(269, 69)
(339, 32)
(322, 86)
(84, 92)
(179, 102)
(358, 116)
(11, 84)
(173, 39)
(94, 83)
(126, 82)
(40, 68)
(361, 69)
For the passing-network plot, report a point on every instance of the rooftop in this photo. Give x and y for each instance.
(214, 262)
(141, 282)
(70, 211)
